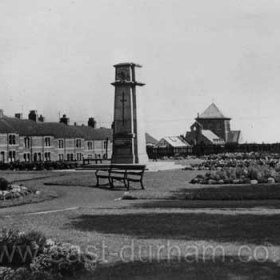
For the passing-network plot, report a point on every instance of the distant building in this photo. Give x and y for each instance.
(150, 140)
(33, 140)
(173, 145)
(212, 127)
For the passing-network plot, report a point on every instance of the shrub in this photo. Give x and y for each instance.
(62, 260)
(4, 184)
(7, 273)
(43, 259)
(18, 248)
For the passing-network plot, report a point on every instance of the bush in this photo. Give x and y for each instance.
(7, 273)
(4, 184)
(62, 260)
(29, 256)
(17, 248)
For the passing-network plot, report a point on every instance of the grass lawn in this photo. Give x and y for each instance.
(126, 235)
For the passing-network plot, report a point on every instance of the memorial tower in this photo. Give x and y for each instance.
(128, 134)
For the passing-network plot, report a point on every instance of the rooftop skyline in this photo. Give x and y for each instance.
(58, 56)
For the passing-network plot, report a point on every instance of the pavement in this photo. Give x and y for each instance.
(154, 166)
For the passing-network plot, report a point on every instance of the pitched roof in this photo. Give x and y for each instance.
(90, 133)
(58, 130)
(212, 112)
(150, 139)
(21, 127)
(212, 137)
(175, 141)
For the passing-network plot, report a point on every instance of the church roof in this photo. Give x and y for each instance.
(212, 112)
(212, 137)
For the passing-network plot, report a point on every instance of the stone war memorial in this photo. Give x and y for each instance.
(128, 128)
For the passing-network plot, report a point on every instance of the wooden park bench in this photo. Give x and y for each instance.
(124, 173)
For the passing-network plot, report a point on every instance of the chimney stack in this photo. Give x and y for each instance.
(18, 116)
(1, 113)
(64, 120)
(41, 119)
(92, 122)
(33, 116)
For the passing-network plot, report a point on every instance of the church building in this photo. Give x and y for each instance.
(212, 127)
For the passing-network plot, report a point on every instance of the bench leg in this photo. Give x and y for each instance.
(127, 185)
(97, 181)
(141, 182)
(111, 183)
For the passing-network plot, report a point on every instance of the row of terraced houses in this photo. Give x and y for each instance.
(35, 140)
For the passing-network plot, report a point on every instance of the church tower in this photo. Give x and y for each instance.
(128, 134)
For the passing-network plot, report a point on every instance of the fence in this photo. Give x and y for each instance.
(199, 150)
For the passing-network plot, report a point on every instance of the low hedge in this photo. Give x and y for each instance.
(48, 165)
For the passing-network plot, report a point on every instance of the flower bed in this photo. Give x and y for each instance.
(214, 162)
(12, 191)
(240, 175)
(235, 193)
(33, 256)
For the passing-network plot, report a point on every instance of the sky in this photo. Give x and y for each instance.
(57, 56)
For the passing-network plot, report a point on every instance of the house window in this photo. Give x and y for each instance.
(47, 141)
(61, 157)
(12, 156)
(60, 144)
(70, 157)
(90, 146)
(12, 139)
(47, 156)
(26, 142)
(79, 156)
(26, 157)
(105, 144)
(78, 143)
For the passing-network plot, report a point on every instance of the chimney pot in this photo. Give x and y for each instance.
(33, 116)
(41, 119)
(18, 116)
(64, 120)
(92, 122)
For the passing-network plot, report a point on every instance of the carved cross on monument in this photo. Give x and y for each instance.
(123, 101)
